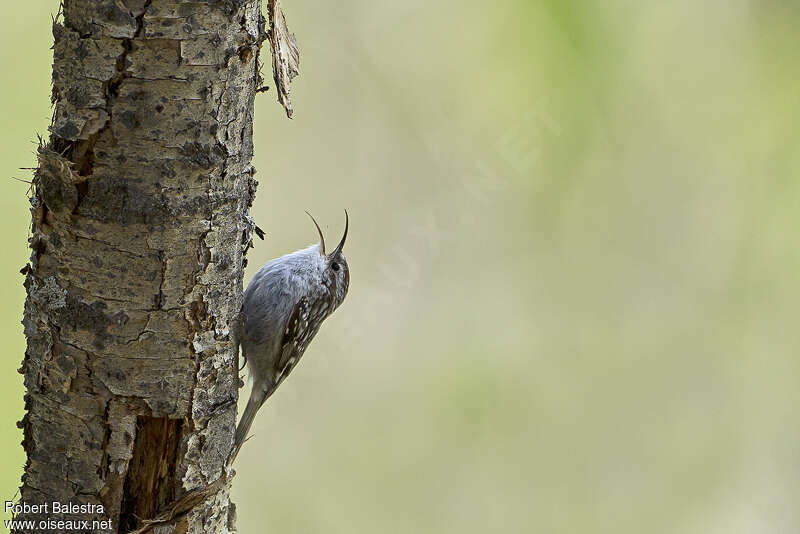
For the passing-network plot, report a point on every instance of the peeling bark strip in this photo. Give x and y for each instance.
(285, 55)
(140, 225)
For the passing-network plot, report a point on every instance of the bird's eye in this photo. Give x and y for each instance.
(335, 266)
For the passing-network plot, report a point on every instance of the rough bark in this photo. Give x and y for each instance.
(140, 226)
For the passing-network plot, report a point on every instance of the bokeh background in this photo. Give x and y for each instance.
(574, 260)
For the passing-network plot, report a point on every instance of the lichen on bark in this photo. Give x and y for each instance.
(139, 229)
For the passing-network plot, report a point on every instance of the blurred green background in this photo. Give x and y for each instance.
(575, 280)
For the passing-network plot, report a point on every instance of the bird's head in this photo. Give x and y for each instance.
(336, 273)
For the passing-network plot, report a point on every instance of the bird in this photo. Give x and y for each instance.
(284, 306)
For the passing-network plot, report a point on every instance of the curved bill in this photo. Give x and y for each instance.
(344, 237)
(321, 237)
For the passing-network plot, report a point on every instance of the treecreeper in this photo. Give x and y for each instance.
(284, 306)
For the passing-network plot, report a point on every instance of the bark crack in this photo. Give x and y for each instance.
(83, 151)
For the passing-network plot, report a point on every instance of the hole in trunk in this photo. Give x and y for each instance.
(150, 482)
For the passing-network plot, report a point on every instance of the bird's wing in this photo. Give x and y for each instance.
(303, 324)
(267, 298)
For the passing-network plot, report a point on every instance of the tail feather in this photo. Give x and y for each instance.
(257, 398)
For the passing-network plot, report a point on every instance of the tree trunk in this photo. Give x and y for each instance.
(140, 227)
